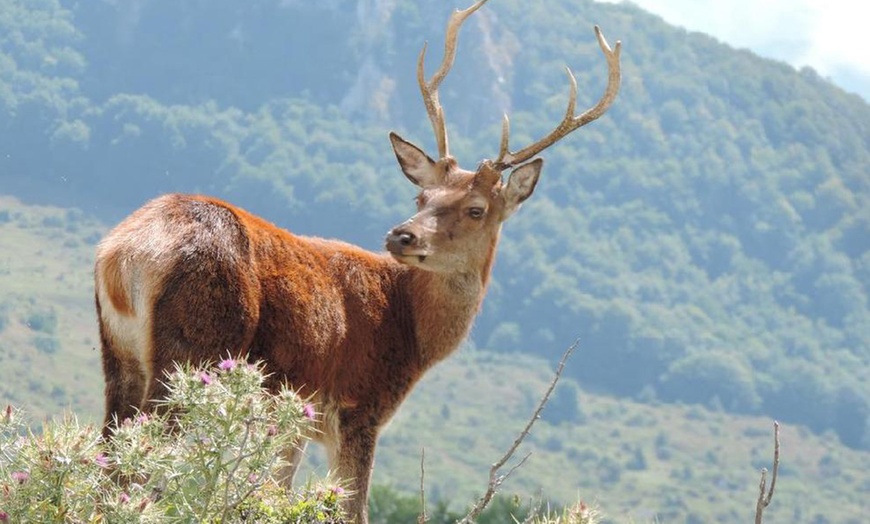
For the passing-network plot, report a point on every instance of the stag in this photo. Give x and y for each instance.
(190, 278)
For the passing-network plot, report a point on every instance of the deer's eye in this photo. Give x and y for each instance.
(476, 212)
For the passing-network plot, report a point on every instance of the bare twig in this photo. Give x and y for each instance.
(765, 498)
(422, 518)
(496, 479)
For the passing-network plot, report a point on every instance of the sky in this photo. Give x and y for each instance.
(831, 36)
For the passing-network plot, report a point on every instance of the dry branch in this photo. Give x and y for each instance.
(422, 518)
(765, 498)
(496, 479)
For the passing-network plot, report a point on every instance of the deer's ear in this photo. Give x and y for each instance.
(520, 185)
(417, 166)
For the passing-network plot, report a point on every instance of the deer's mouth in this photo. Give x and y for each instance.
(411, 259)
(412, 256)
(407, 248)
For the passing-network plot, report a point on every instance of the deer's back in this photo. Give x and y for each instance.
(189, 278)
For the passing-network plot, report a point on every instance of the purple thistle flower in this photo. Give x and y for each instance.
(227, 364)
(102, 460)
(338, 490)
(20, 476)
(308, 411)
(142, 418)
(271, 430)
(205, 378)
(4, 517)
(124, 498)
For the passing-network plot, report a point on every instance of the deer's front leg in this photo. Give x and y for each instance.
(353, 462)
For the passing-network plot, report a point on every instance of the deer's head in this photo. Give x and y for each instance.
(460, 212)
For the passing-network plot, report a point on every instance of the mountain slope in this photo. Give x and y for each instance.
(637, 461)
(708, 239)
(48, 339)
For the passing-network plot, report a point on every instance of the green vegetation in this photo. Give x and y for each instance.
(637, 461)
(211, 454)
(49, 359)
(712, 223)
(217, 465)
(708, 239)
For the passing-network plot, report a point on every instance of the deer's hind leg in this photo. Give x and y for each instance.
(124, 377)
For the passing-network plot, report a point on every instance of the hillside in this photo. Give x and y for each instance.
(49, 360)
(638, 462)
(708, 239)
(620, 454)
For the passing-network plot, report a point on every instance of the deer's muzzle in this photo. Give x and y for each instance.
(402, 241)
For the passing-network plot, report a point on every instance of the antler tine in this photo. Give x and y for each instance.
(429, 89)
(505, 138)
(570, 122)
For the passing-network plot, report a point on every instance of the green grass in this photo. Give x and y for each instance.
(46, 256)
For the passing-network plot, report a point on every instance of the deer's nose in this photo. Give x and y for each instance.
(401, 238)
(406, 238)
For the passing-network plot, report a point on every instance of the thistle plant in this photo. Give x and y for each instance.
(50, 478)
(210, 453)
(578, 513)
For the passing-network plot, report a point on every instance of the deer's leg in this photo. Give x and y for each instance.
(353, 461)
(125, 384)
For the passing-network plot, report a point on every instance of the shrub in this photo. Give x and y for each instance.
(564, 405)
(217, 464)
(704, 376)
(47, 344)
(42, 320)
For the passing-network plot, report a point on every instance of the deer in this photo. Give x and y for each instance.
(191, 278)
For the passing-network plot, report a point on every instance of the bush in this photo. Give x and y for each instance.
(42, 321)
(47, 344)
(387, 506)
(564, 405)
(705, 376)
(218, 464)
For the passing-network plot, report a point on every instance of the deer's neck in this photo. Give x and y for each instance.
(444, 307)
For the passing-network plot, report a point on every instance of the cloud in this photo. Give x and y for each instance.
(828, 35)
(840, 36)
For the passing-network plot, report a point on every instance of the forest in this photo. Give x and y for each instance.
(708, 240)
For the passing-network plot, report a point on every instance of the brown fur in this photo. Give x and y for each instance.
(192, 278)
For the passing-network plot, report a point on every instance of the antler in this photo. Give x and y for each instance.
(429, 90)
(507, 159)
